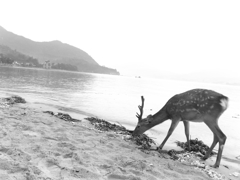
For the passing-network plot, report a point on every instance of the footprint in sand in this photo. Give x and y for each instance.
(31, 133)
(66, 145)
(50, 168)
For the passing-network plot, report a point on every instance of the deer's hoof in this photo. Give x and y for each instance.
(159, 149)
(215, 166)
(204, 158)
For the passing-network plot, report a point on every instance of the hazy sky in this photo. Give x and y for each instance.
(137, 37)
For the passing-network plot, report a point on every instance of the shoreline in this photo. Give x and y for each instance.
(54, 70)
(37, 145)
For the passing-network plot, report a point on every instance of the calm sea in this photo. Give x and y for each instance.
(116, 99)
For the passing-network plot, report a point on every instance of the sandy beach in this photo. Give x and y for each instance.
(36, 145)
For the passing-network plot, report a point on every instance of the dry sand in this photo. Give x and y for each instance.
(36, 145)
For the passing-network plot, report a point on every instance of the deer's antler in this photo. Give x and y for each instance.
(139, 116)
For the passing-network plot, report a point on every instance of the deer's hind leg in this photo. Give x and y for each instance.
(215, 141)
(219, 137)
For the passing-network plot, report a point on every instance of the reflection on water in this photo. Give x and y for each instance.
(49, 80)
(116, 98)
(43, 84)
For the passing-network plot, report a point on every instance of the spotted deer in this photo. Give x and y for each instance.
(197, 105)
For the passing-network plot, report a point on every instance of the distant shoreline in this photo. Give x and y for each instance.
(44, 69)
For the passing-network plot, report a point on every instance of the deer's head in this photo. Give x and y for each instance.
(143, 124)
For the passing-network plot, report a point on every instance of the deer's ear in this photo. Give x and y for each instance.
(149, 116)
(149, 119)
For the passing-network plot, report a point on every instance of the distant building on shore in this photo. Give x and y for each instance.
(15, 63)
(47, 65)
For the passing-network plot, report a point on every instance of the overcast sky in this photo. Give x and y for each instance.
(134, 36)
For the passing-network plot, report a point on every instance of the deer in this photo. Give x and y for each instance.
(196, 105)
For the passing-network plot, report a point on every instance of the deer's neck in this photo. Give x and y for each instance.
(160, 116)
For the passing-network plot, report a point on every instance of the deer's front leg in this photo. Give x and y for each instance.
(170, 131)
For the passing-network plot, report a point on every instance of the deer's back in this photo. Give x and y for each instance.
(193, 104)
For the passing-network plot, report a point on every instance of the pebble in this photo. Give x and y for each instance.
(236, 174)
(126, 137)
(4, 105)
(200, 166)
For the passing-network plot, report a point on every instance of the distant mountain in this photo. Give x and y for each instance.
(54, 51)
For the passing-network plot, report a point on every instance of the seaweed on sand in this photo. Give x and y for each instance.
(65, 117)
(195, 146)
(142, 140)
(13, 100)
(103, 125)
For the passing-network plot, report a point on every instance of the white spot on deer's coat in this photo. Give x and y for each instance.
(212, 106)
